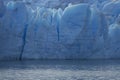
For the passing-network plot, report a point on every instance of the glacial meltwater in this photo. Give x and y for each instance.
(60, 70)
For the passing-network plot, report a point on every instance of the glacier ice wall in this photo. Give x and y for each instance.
(88, 30)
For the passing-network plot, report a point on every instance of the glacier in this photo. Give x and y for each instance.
(66, 30)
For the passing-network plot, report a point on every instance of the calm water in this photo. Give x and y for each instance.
(60, 70)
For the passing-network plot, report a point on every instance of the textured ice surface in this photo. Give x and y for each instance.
(60, 70)
(12, 26)
(2, 8)
(88, 30)
(112, 10)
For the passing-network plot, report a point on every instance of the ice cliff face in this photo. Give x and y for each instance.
(82, 31)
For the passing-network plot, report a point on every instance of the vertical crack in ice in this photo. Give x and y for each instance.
(58, 33)
(58, 24)
(24, 41)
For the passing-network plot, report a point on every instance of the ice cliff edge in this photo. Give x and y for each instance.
(80, 31)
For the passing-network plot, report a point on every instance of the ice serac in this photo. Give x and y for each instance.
(83, 31)
(12, 30)
(113, 48)
(73, 21)
(73, 25)
(112, 10)
(43, 34)
(98, 33)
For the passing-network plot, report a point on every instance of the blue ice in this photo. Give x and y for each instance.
(88, 30)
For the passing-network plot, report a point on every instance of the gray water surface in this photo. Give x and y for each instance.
(60, 70)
